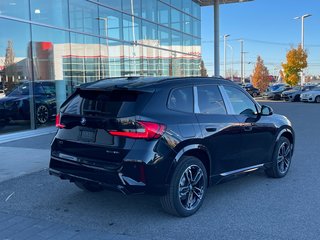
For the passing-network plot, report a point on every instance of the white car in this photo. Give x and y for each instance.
(311, 96)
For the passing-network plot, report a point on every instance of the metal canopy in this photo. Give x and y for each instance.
(203, 3)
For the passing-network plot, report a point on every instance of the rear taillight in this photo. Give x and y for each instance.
(58, 123)
(144, 130)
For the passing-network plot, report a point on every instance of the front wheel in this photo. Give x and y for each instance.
(187, 188)
(281, 160)
(254, 94)
(317, 100)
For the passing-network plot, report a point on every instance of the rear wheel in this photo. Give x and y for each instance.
(254, 94)
(317, 100)
(187, 188)
(88, 186)
(281, 160)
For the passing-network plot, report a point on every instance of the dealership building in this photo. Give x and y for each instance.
(47, 48)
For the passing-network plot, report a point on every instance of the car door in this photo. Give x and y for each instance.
(257, 132)
(221, 131)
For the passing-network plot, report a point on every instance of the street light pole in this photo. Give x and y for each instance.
(232, 55)
(225, 53)
(241, 60)
(244, 67)
(302, 38)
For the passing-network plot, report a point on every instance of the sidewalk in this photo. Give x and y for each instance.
(23, 156)
(31, 154)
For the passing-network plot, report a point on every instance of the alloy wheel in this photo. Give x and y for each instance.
(191, 187)
(42, 114)
(284, 157)
(318, 99)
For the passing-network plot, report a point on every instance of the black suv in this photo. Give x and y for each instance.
(167, 136)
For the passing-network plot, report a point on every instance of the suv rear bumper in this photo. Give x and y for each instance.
(123, 179)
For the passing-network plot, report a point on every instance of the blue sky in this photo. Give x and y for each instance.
(268, 30)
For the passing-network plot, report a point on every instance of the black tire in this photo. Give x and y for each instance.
(281, 159)
(297, 98)
(42, 114)
(88, 186)
(254, 94)
(185, 197)
(317, 99)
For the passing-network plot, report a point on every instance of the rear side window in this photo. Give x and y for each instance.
(104, 104)
(240, 102)
(181, 99)
(210, 100)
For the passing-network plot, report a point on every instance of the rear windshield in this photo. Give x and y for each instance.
(105, 104)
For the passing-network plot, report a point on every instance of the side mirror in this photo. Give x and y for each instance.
(266, 110)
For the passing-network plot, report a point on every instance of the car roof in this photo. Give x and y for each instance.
(149, 83)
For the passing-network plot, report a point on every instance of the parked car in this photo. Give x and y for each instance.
(172, 137)
(16, 104)
(293, 95)
(311, 96)
(274, 92)
(254, 92)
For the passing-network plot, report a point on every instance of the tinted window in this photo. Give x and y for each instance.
(210, 100)
(104, 104)
(181, 99)
(240, 102)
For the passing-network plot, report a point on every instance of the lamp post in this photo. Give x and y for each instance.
(244, 67)
(241, 60)
(302, 38)
(232, 55)
(225, 53)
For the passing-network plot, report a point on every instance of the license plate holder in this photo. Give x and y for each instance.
(87, 135)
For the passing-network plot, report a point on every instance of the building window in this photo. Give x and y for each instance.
(50, 12)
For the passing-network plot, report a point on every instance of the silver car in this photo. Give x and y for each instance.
(311, 96)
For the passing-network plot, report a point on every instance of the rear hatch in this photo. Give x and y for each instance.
(91, 126)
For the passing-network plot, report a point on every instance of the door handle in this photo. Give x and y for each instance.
(211, 129)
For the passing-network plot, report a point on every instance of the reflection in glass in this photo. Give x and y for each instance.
(111, 58)
(132, 60)
(85, 58)
(187, 24)
(18, 9)
(176, 19)
(187, 7)
(50, 48)
(112, 3)
(149, 10)
(110, 23)
(177, 3)
(50, 12)
(150, 62)
(14, 70)
(135, 8)
(163, 14)
(196, 28)
(149, 32)
(165, 37)
(83, 16)
(131, 28)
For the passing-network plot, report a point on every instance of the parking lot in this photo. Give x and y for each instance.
(250, 207)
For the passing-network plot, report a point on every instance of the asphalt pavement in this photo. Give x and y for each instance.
(38, 206)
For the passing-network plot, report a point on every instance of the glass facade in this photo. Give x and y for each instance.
(47, 48)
